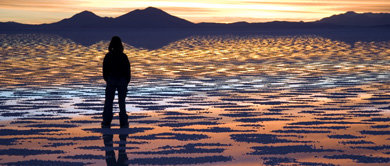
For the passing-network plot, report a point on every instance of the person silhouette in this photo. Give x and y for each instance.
(109, 148)
(117, 74)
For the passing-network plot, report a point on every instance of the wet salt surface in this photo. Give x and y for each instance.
(224, 100)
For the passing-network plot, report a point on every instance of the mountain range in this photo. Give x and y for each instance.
(156, 18)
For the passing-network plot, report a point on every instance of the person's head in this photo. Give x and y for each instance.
(115, 45)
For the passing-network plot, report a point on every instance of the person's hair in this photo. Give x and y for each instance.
(115, 45)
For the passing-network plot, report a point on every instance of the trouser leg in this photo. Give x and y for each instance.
(107, 113)
(122, 92)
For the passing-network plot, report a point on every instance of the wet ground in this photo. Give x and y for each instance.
(210, 100)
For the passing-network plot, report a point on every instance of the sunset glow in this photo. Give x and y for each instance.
(47, 11)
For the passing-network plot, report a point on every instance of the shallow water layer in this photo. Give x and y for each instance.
(211, 100)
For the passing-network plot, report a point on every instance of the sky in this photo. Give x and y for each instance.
(224, 11)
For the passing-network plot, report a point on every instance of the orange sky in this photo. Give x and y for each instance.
(47, 11)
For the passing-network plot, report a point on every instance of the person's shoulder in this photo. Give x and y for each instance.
(124, 55)
(108, 54)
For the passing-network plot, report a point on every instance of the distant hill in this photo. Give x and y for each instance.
(146, 18)
(85, 19)
(266, 25)
(358, 19)
(150, 18)
(156, 18)
(16, 26)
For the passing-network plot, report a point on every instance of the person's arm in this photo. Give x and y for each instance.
(105, 65)
(128, 69)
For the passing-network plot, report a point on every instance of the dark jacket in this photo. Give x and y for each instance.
(116, 66)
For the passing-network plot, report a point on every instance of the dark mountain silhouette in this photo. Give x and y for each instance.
(266, 25)
(156, 18)
(85, 19)
(355, 19)
(147, 18)
(150, 18)
(14, 26)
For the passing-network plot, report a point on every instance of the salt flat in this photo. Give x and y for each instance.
(210, 100)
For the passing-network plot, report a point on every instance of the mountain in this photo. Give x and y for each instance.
(16, 26)
(85, 19)
(150, 18)
(147, 18)
(266, 25)
(358, 19)
(156, 18)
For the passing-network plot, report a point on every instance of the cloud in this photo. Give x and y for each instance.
(41, 5)
(368, 8)
(38, 3)
(188, 9)
(297, 3)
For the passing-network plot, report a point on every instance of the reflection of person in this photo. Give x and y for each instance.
(110, 154)
(116, 73)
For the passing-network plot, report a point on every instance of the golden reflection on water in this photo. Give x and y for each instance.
(46, 59)
(235, 93)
